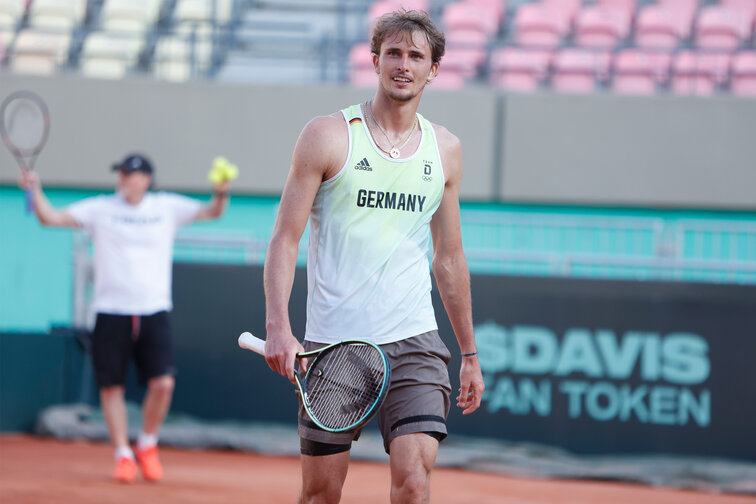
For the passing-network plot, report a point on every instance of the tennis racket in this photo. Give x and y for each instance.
(24, 127)
(344, 385)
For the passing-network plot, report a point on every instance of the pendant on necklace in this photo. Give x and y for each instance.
(394, 153)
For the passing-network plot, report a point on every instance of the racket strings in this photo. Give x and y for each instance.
(24, 124)
(345, 384)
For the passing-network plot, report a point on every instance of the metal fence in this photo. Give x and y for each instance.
(581, 246)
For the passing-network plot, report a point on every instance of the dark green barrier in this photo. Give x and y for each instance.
(36, 371)
(590, 366)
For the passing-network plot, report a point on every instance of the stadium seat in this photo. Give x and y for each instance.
(203, 11)
(179, 58)
(196, 41)
(519, 70)
(11, 12)
(601, 26)
(461, 62)
(719, 27)
(743, 80)
(540, 25)
(579, 70)
(699, 73)
(495, 9)
(448, 78)
(61, 15)
(745, 7)
(361, 70)
(628, 7)
(376, 10)
(409, 4)
(633, 73)
(109, 56)
(564, 10)
(467, 45)
(381, 7)
(467, 15)
(40, 53)
(657, 27)
(684, 12)
(129, 16)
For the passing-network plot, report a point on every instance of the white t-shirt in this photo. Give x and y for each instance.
(133, 249)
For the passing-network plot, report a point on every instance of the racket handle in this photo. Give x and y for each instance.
(249, 342)
(29, 201)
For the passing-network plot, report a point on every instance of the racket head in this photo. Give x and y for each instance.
(345, 384)
(24, 126)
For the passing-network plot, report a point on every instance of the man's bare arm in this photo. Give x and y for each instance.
(318, 154)
(217, 205)
(45, 212)
(452, 274)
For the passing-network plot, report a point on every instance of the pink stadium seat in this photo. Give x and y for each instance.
(565, 10)
(578, 70)
(633, 73)
(683, 11)
(448, 78)
(748, 7)
(743, 81)
(495, 9)
(699, 72)
(540, 25)
(720, 27)
(469, 45)
(459, 60)
(378, 9)
(627, 6)
(413, 4)
(467, 15)
(361, 71)
(518, 69)
(601, 27)
(657, 27)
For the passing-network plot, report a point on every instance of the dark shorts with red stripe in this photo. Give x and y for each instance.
(118, 339)
(418, 399)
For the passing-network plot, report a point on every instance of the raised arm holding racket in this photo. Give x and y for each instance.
(379, 184)
(24, 128)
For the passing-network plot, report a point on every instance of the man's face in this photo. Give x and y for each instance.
(404, 65)
(133, 184)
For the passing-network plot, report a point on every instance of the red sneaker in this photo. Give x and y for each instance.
(150, 463)
(125, 470)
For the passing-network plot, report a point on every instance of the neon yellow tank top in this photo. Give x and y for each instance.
(368, 270)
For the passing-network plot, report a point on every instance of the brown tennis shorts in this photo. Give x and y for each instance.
(418, 398)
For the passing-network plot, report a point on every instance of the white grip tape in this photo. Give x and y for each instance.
(246, 340)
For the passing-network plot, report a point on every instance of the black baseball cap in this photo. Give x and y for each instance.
(133, 163)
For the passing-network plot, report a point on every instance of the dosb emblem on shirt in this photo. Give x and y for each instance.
(427, 169)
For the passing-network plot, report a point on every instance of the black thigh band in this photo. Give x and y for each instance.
(316, 449)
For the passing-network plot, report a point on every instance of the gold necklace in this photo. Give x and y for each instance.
(395, 151)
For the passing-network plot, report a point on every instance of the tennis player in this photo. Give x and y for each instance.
(133, 233)
(379, 184)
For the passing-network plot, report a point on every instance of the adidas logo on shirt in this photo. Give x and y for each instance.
(363, 165)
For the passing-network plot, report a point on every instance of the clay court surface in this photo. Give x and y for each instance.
(35, 470)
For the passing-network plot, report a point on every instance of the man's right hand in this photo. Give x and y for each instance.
(28, 179)
(281, 353)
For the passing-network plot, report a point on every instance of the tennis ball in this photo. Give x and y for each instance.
(222, 171)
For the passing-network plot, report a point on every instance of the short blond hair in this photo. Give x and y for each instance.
(404, 21)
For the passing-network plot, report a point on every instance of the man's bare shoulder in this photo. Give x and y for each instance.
(323, 145)
(448, 142)
(325, 126)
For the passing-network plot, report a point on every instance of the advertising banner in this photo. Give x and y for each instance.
(615, 366)
(590, 366)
